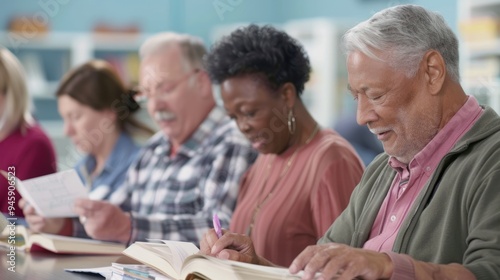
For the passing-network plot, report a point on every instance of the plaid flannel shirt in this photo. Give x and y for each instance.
(175, 198)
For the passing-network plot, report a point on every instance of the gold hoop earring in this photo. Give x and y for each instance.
(291, 122)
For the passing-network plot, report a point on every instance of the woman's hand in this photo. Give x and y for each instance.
(230, 246)
(38, 223)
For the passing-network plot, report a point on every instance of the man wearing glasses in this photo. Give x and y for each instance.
(186, 172)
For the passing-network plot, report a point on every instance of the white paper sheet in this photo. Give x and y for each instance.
(53, 195)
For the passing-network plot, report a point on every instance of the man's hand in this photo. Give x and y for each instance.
(230, 246)
(103, 220)
(342, 262)
(38, 223)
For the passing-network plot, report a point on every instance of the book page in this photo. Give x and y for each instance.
(168, 254)
(87, 241)
(156, 255)
(181, 250)
(53, 195)
(214, 268)
(73, 245)
(177, 251)
(167, 257)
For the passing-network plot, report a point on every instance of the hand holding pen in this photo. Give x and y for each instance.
(231, 246)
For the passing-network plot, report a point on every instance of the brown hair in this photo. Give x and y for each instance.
(97, 85)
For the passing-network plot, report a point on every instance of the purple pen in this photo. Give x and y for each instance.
(217, 227)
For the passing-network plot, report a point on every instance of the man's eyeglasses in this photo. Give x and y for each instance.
(159, 90)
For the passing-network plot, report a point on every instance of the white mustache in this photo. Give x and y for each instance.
(163, 116)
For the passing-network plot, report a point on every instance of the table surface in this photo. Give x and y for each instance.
(44, 266)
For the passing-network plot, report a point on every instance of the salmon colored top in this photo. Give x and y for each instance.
(306, 199)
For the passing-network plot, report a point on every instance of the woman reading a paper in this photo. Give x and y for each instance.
(98, 117)
(304, 175)
(97, 111)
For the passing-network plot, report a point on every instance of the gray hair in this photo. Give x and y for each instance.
(404, 33)
(191, 46)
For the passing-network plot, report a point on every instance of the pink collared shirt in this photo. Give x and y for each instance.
(410, 180)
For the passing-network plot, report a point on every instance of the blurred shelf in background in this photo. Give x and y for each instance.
(47, 57)
(479, 25)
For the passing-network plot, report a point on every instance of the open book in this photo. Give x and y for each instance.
(51, 195)
(180, 260)
(23, 239)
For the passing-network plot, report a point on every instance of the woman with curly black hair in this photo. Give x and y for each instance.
(304, 175)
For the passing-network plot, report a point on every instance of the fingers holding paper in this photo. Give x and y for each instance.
(103, 220)
(342, 262)
(38, 223)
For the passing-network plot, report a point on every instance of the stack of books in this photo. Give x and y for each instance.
(135, 271)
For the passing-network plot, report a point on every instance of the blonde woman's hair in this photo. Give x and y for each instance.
(17, 106)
